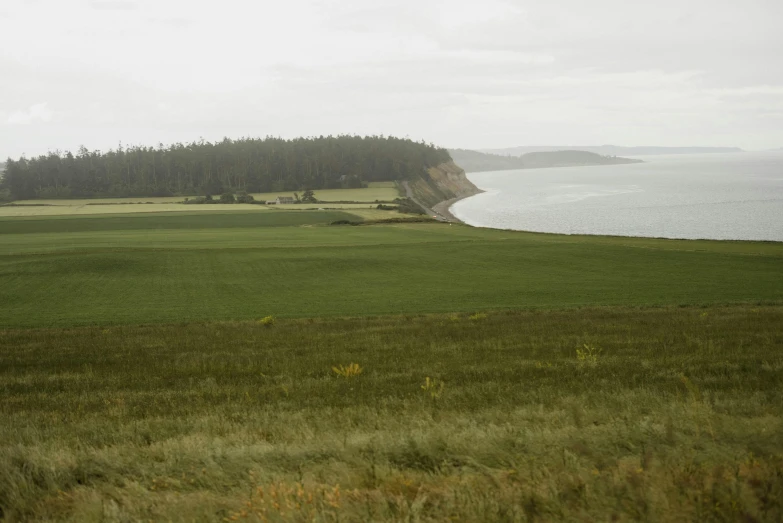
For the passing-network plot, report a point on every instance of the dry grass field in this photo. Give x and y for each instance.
(607, 414)
(380, 191)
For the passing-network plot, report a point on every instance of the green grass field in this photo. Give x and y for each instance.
(571, 378)
(377, 191)
(76, 202)
(218, 266)
(31, 211)
(325, 206)
(677, 418)
(162, 221)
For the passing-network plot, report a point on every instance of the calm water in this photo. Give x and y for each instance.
(719, 196)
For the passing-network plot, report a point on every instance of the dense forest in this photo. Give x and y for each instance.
(252, 165)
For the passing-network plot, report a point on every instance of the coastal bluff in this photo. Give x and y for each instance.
(438, 187)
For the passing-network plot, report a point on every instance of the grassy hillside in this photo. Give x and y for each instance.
(170, 268)
(609, 414)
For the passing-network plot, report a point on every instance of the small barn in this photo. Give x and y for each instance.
(284, 199)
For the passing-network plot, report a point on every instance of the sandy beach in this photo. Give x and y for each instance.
(443, 208)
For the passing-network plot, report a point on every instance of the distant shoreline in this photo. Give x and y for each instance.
(613, 150)
(474, 161)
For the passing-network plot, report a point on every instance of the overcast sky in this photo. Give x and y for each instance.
(473, 74)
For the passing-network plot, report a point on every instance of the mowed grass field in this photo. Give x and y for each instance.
(64, 209)
(162, 268)
(160, 221)
(377, 191)
(31, 211)
(608, 414)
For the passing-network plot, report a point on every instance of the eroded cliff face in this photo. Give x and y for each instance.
(443, 183)
(450, 177)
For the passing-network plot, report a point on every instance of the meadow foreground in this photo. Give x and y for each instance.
(662, 414)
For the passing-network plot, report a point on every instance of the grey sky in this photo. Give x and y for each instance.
(487, 73)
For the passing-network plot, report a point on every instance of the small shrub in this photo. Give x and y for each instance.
(267, 321)
(195, 201)
(588, 355)
(352, 370)
(309, 197)
(243, 197)
(408, 206)
(433, 387)
(477, 317)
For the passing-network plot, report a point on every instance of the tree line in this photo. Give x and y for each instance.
(200, 168)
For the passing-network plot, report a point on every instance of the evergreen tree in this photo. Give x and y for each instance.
(309, 197)
(201, 168)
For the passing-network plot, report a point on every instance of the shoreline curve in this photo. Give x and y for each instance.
(444, 208)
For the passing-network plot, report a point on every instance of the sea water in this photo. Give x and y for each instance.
(734, 196)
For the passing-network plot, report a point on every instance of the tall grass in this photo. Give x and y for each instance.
(676, 418)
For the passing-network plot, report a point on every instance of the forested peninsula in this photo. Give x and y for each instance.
(474, 161)
(248, 164)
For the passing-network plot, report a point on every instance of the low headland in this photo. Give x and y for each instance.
(613, 150)
(475, 161)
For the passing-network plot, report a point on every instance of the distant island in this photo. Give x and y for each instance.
(612, 150)
(475, 161)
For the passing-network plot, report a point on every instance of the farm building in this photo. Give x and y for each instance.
(281, 199)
